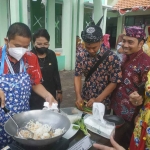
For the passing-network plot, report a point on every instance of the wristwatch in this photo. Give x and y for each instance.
(59, 92)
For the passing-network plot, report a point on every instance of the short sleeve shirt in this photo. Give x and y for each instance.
(134, 71)
(32, 67)
(109, 71)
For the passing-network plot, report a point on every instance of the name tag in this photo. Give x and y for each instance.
(84, 144)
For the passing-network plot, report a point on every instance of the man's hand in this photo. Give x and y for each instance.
(41, 91)
(135, 99)
(49, 98)
(79, 103)
(90, 102)
(136, 119)
(2, 98)
(115, 145)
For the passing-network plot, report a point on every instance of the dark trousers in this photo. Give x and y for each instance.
(125, 140)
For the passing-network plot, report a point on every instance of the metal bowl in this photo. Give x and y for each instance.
(54, 119)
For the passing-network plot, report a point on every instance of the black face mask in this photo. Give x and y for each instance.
(41, 50)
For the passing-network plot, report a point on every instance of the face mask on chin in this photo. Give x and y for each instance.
(17, 52)
(98, 51)
(41, 50)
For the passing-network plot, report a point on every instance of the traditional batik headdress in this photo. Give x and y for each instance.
(92, 33)
(136, 32)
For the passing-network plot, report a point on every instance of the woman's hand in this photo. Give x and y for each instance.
(79, 103)
(135, 99)
(2, 98)
(90, 102)
(115, 145)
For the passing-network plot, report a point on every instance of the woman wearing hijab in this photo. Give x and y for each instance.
(106, 40)
(49, 68)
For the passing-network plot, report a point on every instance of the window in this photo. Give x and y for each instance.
(58, 25)
(37, 15)
(147, 20)
(129, 21)
(88, 12)
(137, 20)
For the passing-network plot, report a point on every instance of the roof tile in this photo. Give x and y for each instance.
(126, 4)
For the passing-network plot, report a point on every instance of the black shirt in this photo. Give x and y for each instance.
(51, 78)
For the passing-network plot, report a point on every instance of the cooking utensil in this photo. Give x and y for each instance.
(6, 110)
(59, 105)
(54, 119)
(116, 119)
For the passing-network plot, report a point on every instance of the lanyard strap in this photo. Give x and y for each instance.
(9, 66)
(3, 59)
(4, 56)
(22, 66)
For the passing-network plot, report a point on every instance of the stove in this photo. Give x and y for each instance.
(61, 144)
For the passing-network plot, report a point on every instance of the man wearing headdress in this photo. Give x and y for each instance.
(99, 86)
(135, 67)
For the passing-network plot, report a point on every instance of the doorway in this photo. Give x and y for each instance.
(111, 29)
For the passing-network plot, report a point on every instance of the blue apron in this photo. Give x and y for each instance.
(17, 93)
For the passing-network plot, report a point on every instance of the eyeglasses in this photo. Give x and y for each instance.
(42, 45)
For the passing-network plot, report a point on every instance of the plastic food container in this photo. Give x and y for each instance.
(72, 113)
(105, 130)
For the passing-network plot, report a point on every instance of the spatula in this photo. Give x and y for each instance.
(6, 110)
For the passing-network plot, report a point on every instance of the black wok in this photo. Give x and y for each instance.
(115, 119)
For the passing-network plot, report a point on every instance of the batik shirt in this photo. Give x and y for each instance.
(134, 72)
(31, 65)
(108, 71)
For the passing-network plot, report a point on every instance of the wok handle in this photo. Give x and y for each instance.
(6, 110)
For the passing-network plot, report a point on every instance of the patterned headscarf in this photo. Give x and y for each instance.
(136, 32)
(106, 40)
(92, 33)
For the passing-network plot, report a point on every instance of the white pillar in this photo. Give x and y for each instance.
(98, 10)
(74, 32)
(104, 21)
(80, 16)
(66, 32)
(14, 11)
(24, 11)
(3, 20)
(119, 26)
(50, 22)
